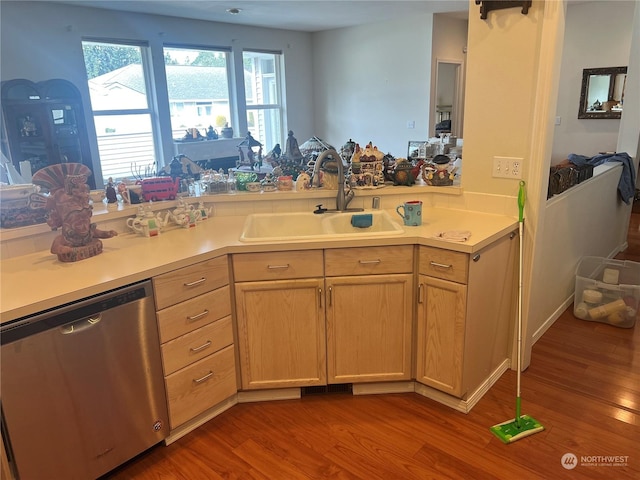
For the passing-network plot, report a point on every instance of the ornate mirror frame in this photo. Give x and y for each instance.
(607, 110)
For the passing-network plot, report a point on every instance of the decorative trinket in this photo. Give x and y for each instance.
(69, 208)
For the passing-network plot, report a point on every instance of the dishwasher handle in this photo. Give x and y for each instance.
(80, 325)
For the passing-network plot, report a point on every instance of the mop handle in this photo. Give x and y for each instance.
(521, 201)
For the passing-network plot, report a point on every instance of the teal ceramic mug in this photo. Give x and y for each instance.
(411, 213)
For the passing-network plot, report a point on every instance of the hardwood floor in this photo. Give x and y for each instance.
(633, 238)
(583, 385)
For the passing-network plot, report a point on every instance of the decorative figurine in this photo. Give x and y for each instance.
(147, 224)
(442, 176)
(227, 131)
(69, 208)
(124, 193)
(29, 128)
(303, 182)
(212, 134)
(246, 146)
(292, 151)
(110, 192)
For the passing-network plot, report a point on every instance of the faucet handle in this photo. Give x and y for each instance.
(319, 209)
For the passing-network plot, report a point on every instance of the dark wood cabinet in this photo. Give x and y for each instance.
(44, 124)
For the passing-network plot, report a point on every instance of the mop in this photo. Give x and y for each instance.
(522, 425)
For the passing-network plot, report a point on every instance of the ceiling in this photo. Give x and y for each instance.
(301, 15)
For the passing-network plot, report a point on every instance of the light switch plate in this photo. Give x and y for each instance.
(507, 167)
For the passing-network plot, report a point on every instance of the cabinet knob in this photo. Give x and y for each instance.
(476, 257)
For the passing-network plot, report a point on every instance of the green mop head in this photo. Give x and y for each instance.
(513, 430)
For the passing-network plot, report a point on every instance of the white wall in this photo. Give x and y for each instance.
(587, 219)
(583, 48)
(371, 80)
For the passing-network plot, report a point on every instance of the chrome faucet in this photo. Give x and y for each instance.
(342, 198)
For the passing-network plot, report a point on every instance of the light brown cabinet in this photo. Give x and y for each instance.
(281, 320)
(465, 309)
(196, 335)
(369, 314)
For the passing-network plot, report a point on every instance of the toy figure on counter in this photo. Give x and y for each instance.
(110, 193)
(124, 193)
(69, 208)
(442, 176)
(212, 134)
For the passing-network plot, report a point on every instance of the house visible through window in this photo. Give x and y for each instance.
(198, 86)
(264, 97)
(118, 78)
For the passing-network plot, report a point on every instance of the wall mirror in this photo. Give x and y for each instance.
(602, 92)
(449, 101)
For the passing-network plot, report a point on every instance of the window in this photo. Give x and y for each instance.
(121, 84)
(118, 77)
(263, 90)
(198, 86)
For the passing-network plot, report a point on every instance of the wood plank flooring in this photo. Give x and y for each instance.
(583, 385)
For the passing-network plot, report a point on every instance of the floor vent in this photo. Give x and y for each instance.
(323, 389)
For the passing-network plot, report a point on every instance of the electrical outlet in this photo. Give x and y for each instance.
(507, 167)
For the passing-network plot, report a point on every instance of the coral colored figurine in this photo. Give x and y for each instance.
(69, 208)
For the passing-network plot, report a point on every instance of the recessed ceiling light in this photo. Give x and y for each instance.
(234, 11)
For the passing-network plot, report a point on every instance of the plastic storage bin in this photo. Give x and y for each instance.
(607, 291)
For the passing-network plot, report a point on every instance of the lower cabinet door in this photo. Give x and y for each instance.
(441, 330)
(281, 333)
(369, 321)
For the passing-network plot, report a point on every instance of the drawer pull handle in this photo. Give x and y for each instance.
(440, 265)
(201, 347)
(203, 379)
(368, 262)
(278, 267)
(192, 318)
(197, 282)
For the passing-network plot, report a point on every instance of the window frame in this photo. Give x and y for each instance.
(279, 107)
(150, 110)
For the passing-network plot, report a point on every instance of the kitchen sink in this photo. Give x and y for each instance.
(260, 227)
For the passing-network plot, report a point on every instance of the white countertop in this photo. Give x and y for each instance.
(38, 281)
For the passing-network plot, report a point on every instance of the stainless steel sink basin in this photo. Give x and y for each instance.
(260, 227)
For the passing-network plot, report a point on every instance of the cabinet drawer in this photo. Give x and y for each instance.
(200, 386)
(188, 282)
(278, 265)
(192, 314)
(444, 264)
(193, 346)
(369, 260)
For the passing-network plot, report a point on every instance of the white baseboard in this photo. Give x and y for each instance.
(459, 404)
(551, 320)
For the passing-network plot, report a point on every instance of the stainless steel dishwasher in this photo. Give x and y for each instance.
(82, 386)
